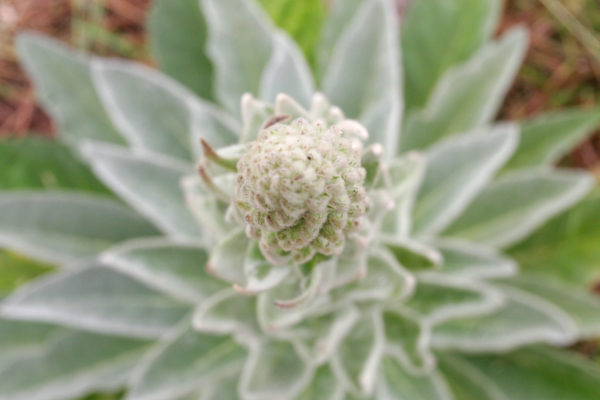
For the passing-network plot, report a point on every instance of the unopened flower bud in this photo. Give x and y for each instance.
(300, 188)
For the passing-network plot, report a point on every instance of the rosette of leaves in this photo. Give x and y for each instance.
(160, 293)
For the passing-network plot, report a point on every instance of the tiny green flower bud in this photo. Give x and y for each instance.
(300, 188)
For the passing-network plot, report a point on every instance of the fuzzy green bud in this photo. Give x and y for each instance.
(300, 188)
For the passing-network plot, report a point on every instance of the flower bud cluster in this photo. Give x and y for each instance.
(300, 189)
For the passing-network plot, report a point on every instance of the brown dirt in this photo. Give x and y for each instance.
(107, 27)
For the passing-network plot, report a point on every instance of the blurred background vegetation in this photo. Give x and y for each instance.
(562, 69)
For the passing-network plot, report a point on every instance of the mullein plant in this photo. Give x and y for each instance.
(279, 234)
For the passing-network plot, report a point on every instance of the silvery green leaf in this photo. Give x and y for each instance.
(213, 125)
(61, 227)
(438, 298)
(408, 340)
(179, 47)
(177, 269)
(456, 170)
(323, 386)
(468, 95)
(523, 320)
(228, 257)
(338, 17)
(273, 371)
(98, 299)
(226, 312)
(150, 110)
(309, 287)
(239, 45)
(349, 266)
(401, 178)
(399, 384)
(274, 317)
(357, 360)
(385, 278)
(73, 364)
(363, 76)
(148, 182)
(509, 209)
(64, 84)
(207, 208)
(23, 339)
(254, 113)
(469, 260)
(537, 373)
(319, 337)
(182, 362)
(413, 254)
(547, 138)
(582, 308)
(223, 389)
(467, 382)
(286, 72)
(438, 35)
(260, 274)
(286, 105)
(566, 247)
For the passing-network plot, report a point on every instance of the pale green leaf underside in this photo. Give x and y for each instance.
(21, 339)
(470, 260)
(149, 183)
(548, 137)
(468, 95)
(439, 34)
(61, 227)
(530, 374)
(287, 72)
(363, 77)
(398, 384)
(524, 319)
(182, 362)
(177, 269)
(150, 110)
(239, 46)
(456, 170)
(97, 299)
(64, 84)
(274, 371)
(582, 308)
(177, 36)
(72, 364)
(509, 209)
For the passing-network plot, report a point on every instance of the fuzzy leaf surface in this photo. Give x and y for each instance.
(363, 77)
(63, 81)
(148, 182)
(566, 247)
(35, 162)
(176, 269)
(184, 361)
(509, 209)
(98, 299)
(60, 227)
(150, 110)
(239, 46)
(467, 96)
(73, 364)
(438, 35)
(537, 374)
(179, 47)
(548, 137)
(456, 171)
